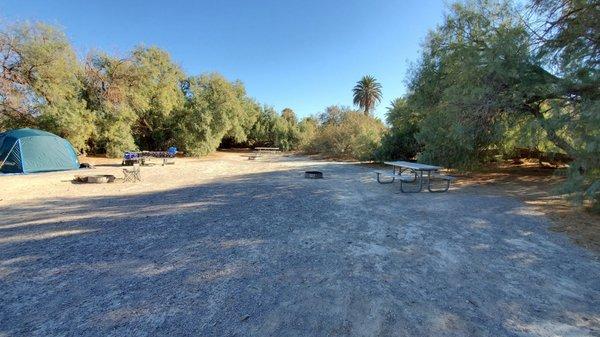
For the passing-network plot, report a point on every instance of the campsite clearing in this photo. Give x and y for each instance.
(224, 246)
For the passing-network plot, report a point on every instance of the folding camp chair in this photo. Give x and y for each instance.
(133, 174)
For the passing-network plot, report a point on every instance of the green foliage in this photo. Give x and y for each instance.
(583, 184)
(525, 133)
(262, 132)
(158, 87)
(271, 129)
(474, 60)
(69, 118)
(109, 96)
(478, 84)
(114, 133)
(568, 37)
(307, 130)
(487, 82)
(367, 93)
(287, 134)
(333, 115)
(215, 108)
(568, 31)
(347, 134)
(399, 142)
(40, 78)
(110, 104)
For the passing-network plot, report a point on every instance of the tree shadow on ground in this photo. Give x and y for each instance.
(276, 254)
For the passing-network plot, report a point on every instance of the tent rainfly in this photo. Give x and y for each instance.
(31, 150)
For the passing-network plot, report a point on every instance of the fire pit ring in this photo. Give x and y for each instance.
(96, 179)
(313, 174)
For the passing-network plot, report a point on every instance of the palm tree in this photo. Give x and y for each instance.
(367, 93)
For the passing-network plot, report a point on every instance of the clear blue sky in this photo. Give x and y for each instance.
(304, 54)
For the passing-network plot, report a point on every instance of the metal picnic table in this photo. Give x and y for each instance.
(418, 172)
(143, 157)
(266, 149)
(259, 151)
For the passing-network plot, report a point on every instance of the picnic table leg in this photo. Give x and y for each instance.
(400, 171)
(420, 176)
(384, 182)
(437, 191)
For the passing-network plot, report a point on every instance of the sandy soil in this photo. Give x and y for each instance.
(155, 177)
(538, 187)
(226, 246)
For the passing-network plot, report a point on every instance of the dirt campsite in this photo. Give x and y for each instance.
(226, 246)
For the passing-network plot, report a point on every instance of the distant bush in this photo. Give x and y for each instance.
(308, 129)
(216, 108)
(347, 134)
(273, 129)
(286, 131)
(399, 141)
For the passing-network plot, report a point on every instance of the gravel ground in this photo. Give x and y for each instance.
(232, 247)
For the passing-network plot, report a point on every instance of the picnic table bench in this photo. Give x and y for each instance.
(266, 149)
(413, 173)
(259, 151)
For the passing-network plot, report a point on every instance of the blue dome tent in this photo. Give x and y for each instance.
(31, 150)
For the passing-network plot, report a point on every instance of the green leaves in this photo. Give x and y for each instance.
(487, 83)
(399, 141)
(347, 134)
(109, 104)
(367, 93)
(468, 80)
(214, 108)
(40, 83)
(272, 129)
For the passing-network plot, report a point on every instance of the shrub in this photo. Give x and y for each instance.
(353, 135)
(399, 141)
